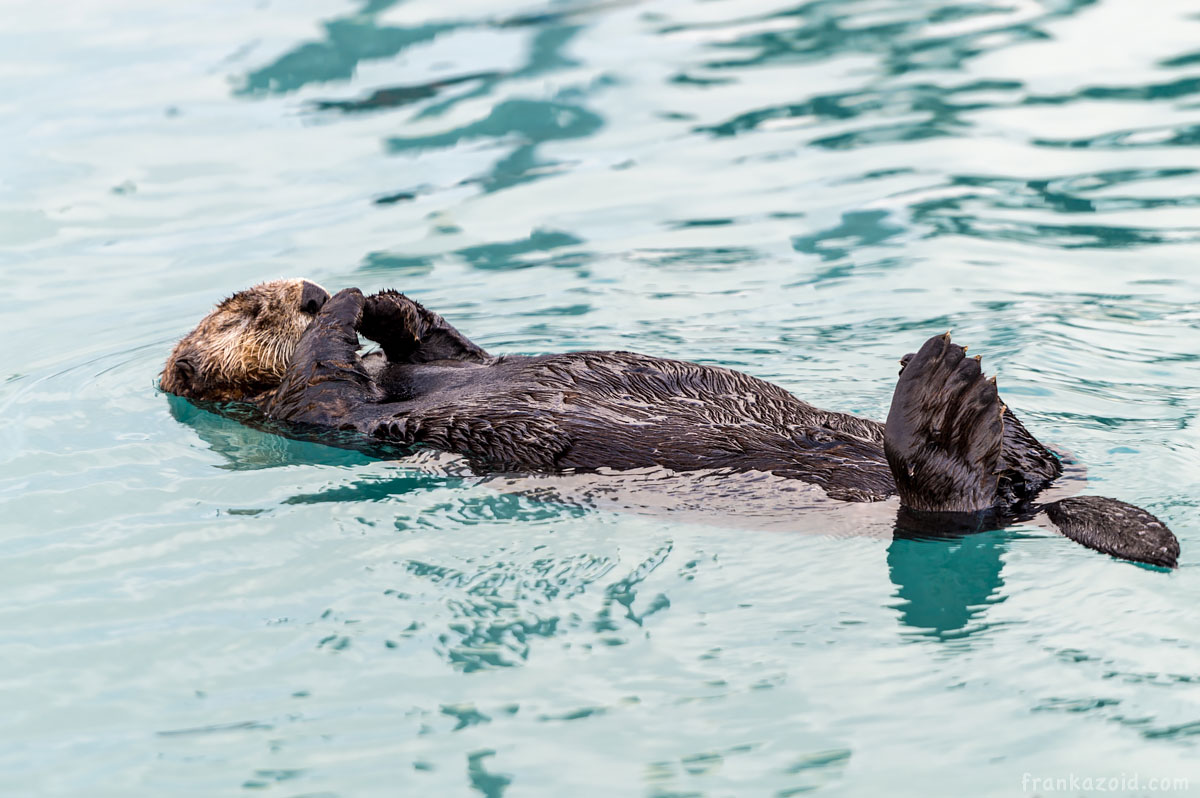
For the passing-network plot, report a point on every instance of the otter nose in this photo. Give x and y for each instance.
(312, 297)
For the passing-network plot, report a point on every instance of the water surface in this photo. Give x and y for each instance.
(804, 191)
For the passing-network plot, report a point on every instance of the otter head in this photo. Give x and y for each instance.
(243, 347)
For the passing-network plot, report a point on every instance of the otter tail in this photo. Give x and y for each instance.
(1115, 527)
(944, 442)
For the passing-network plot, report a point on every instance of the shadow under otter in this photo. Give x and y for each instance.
(958, 459)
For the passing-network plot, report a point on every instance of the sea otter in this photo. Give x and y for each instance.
(952, 451)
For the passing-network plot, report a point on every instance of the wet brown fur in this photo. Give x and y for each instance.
(950, 446)
(242, 348)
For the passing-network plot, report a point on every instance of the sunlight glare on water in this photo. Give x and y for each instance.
(802, 191)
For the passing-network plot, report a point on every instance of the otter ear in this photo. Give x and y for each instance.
(185, 370)
(184, 380)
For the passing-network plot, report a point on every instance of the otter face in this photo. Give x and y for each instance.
(243, 347)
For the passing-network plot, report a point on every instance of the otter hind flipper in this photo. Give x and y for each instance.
(1115, 527)
(1026, 466)
(944, 433)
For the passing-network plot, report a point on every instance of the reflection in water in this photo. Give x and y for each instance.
(514, 254)
(397, 266)
(351, 40)
(397, 96)
(245, 448)
(376, 489)
(941, 112)
(905, 37)
(923, 39)
(531, 122)
(945, 585)
(897, 37)
(489, 784)
(539, 248)
(858, 229)
(545, 56)
(973, 204)
(347, 42)
(500, 608)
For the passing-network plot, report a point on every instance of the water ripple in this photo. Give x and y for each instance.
(804, 190)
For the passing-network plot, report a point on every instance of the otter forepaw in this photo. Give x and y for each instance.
(945, 430)
(410, 333)
(345, 308)
(394, 322)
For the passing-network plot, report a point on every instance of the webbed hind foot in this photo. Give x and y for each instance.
(1115, 527)
(945, 431)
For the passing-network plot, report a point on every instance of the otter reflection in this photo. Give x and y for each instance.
(230, 431)
(944, 584)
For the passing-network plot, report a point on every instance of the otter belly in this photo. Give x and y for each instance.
(619, 410)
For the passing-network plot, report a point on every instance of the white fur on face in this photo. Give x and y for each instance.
(261, 347)
(246, 342)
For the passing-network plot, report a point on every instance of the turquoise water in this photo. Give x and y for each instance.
(802, 191)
